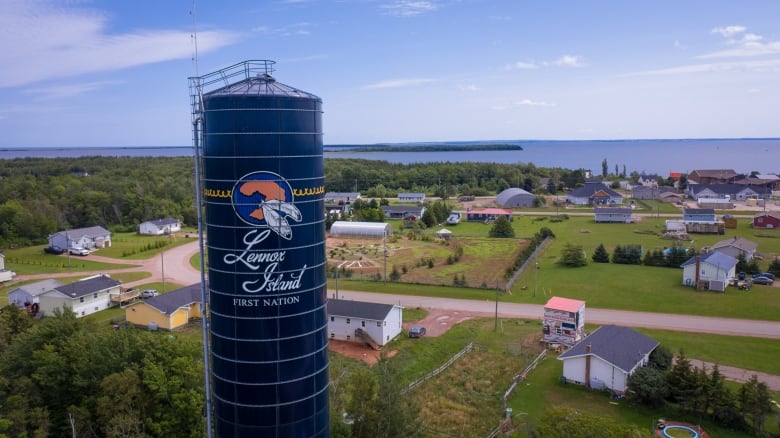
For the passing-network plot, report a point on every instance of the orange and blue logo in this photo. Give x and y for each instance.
(265, 199)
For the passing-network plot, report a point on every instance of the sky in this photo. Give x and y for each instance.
(89, 73)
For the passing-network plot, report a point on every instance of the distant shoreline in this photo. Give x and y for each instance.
(424, 148)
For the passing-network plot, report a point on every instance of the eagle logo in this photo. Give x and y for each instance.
(266, 199)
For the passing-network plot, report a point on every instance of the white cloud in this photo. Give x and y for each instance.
(569, 61)
(409, 8)
(522, 66)
(69, 90)
(729, 31)
(529, 102)
(40, 41)
(295, 29)
(750, 44)
(679, 45)
(469, 87)
(771, 65)
(398, 83)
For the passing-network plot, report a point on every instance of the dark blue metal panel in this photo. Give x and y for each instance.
(264, 211)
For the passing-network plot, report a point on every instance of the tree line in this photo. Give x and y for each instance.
(40, 196)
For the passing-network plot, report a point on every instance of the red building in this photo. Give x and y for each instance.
(766, 220)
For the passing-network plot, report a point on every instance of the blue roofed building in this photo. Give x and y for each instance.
(710, 271)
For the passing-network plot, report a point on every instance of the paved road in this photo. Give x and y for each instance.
(664, 321)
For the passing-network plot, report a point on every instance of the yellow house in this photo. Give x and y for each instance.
(167, 311)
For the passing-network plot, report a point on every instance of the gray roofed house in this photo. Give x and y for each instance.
(607, 357)
(736, 246)
(373, 323)
(89, 237)
(738, 192)
(83, 297)
(613, 214)
(340, 197)
(713, 270)
(159, 227)
(594, 194)
(29, 293)
(403, 211)
(168, 311)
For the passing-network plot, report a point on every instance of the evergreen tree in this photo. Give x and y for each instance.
(502, 228)
(755, 403)
(774, 267)
(648, 386)
(573, 256)
(600, 255)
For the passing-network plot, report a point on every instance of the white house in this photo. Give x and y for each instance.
(714, 269)
(5, 275)
(607, 357)
(159, 227)
(89, 238)
(359, 321)
(613, 214)
(411, 197)
(84, 297)
(736, 246)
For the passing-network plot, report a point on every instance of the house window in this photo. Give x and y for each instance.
(348, 337)
(332, 318)
(94, 295)
(362, 323)
(348, 320)
(96, 309)
(81, 300)
(385, 323)
(379, 323)
(332, 335)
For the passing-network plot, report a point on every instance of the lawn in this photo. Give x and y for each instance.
(133, 246)
(32, 260)
(612, 286)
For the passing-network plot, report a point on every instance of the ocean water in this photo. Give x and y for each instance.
(644, 156)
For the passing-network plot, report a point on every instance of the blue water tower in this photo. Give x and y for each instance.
(261, 155)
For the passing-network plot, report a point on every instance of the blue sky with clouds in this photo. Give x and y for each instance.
(114, 73)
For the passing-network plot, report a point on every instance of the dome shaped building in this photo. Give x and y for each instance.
(514, 197)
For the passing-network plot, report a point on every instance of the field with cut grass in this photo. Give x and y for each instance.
(605, 285)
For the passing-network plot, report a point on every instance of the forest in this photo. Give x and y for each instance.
(39, 196)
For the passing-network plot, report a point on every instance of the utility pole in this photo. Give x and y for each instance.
(496, 319)
(384, 243)
(536, 273)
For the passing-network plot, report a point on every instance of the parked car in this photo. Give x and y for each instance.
(762, 280)
(79, 251)
(148, 293)
(765, 274)
(54, 249)
(417, 331)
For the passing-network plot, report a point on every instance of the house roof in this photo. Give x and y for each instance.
(87, 286)
(564, 304)
(359, 309)
(444, 231)
(412, 194)
(773, 214)
(722, 261)
(403, 209)
(509, 193)
(728, 189)
(612, 210)
(715, 173)
(163, 222)
(737, 242)
(620, 346)
(38, 288)
(341, 195)
(168, 303)
(591, 189)
(675, 175)
(78, 233)
(699, 211)
(490, 211)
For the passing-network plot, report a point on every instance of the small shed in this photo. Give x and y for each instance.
(563, 321)
(767, 220)
(444, 234)
(377, 230)
(729, 221)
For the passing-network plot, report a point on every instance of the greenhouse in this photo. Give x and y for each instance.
(515, 197)
(361, 229)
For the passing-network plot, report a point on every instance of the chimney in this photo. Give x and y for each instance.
(698, 266)
(588, 348)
